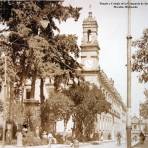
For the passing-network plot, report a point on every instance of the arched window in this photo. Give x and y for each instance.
(89, 36)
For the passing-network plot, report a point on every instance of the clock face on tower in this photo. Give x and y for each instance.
(88, 64)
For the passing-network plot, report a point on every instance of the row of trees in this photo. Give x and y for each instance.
(140, 65)
(34, 51)
(140, 57)
(82, 102)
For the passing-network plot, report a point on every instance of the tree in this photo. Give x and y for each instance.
(57, 107)
(144, 106)
(1, 106)
(88, 102)
(140, 58)
(32, 44)
(35, 52)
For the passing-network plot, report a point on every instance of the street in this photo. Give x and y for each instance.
(87, 145)
(145, 145)
(84, 145)
(102, 145)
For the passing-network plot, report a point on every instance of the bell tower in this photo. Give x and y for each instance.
(89, 45)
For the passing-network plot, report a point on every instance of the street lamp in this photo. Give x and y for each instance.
(5, 95)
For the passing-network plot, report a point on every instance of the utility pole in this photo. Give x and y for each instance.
(129, 39)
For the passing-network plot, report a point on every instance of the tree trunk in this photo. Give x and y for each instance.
(42, 97)
(9, 119)
(79, 129)
(33, 85)
(10, 101)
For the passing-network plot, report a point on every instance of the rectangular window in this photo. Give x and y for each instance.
(83, 56)
(94, 57)
(28, 92)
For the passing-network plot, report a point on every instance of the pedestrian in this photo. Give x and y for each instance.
(72, 144)
(142, 137)
(76, 143)
(50, 136)
(19, 138)
(118, 138)
(24, 131)
(101, 136)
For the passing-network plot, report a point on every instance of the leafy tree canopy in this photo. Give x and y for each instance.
(33, 48)
(144, 106)
(88, 102)
(59, 105)
(140, 57)
(1, 106)
(82, 101)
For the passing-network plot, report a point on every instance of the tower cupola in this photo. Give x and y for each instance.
(89, 45)
(90, 30)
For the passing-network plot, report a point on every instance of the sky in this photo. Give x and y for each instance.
(112, 34)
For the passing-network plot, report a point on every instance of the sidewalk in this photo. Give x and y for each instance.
(94, 144)
(86, 144)
(145, 145)
(59, 145)
(41, 146)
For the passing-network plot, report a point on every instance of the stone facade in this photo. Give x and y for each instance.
(138, 125)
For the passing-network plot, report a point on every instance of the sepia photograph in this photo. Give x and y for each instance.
(73, 74)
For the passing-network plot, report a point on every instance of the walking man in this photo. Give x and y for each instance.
(118, 138)
(50, 136)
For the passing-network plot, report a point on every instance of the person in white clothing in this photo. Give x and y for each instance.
(101, 136)
(50, 136)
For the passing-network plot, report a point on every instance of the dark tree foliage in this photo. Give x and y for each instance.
(5, 10)
(144, 109)
(57, 107)
(34, 50)
(1, 106)
(144, 106)
(88, 102)
(82, 101)
(140, 57)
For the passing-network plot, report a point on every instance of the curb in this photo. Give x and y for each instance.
(96, 142)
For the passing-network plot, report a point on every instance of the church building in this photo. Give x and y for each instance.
(114, 121)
